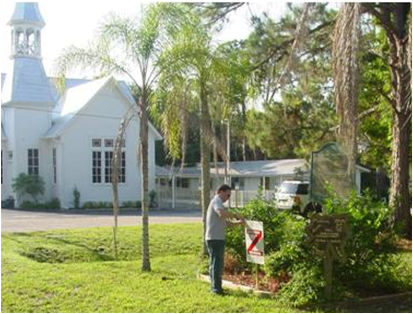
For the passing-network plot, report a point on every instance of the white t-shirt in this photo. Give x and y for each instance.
(215, 225)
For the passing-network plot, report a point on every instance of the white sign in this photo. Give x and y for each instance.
(254, 240)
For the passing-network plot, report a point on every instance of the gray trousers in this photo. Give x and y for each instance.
(216, 263)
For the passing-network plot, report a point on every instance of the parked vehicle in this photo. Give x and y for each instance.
(295, 195)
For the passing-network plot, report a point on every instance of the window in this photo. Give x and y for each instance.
(1, 166)
(265, 183)
(96, 167)
(236, 181)
(109, 143)
(108, 166)
(122, 170)
(102, 161)
(33, 161)
(182, 183)
(54, 166)
(96, 142)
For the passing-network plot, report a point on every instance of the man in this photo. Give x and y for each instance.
(218, 218)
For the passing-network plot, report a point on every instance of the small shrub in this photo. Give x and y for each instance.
(131, 204)
(31, 184)
(152, 196)
(76, 198)
(96, 205)
(53, 204)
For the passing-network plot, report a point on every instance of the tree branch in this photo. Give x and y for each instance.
(286, 43)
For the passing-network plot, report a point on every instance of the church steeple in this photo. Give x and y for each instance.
(26, 25)
(26, 81)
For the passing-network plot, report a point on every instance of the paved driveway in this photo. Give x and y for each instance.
(22, 221)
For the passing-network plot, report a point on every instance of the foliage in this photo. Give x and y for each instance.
(76, 198)
(52, 204)
(97, 205)
(31, 184)
(152, 196)
(131, 204)
(371, 265)
(297, 115)
(92, 205)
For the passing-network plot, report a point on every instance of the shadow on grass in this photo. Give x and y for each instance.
(43, 254)
(398, 303)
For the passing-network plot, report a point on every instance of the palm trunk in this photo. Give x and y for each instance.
(205, 160)
(146, 266)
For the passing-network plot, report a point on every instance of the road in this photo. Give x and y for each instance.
(24, 221)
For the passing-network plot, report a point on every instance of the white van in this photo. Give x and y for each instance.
(293, 195)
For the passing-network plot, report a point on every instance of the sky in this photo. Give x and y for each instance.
(74, 23)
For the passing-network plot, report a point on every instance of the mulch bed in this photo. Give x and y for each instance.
(247, 279)
(234, 272)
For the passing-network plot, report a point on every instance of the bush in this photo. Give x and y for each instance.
(96, 205)
(52, 204)
(76, 198)
(371, 249)
(371, 264)
(131, 204)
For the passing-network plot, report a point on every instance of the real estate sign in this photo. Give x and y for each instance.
(254, 240)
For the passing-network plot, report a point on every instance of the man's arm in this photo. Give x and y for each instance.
(228, 215)
(235, 223)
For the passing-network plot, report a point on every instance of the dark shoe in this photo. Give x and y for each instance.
(220, 293)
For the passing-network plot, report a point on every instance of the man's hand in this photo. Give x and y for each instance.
(240, 217)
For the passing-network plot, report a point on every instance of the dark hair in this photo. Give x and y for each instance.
(224, 188)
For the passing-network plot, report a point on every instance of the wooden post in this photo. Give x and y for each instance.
(256, 277)
(328, 272)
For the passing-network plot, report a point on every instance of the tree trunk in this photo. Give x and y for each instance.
(146, 266)
(399, 191)
(401, 80)
(205, 159)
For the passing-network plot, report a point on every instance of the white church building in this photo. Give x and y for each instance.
(66, 139)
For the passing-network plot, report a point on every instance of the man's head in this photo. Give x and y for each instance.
(224, 191)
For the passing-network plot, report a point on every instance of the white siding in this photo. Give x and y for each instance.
(100, 119)
(24, 127)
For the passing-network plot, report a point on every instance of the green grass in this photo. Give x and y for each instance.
(75, 271)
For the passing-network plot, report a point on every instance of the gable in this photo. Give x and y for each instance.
(105, 98)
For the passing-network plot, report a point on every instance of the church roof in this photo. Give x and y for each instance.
(27, 83)
(72, 102)
(27, 12)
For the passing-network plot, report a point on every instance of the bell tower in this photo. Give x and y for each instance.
(26, 25)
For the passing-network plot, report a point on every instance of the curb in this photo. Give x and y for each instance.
(233, 286)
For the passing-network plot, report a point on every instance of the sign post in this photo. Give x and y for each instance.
(254, 240)
(327, 234)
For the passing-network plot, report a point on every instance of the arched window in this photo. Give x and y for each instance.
(31, 42)
(19, 41)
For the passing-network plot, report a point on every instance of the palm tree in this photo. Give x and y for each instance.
(122, 46)
(395, 20)
(188, 66)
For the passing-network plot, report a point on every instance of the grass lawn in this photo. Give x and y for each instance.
(75, 271)
(83, 276)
